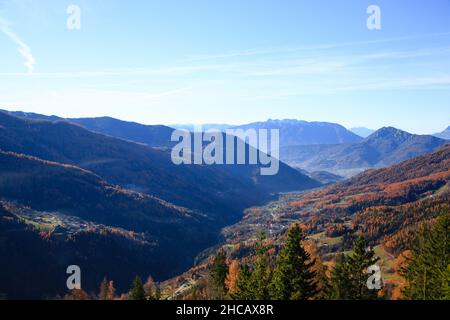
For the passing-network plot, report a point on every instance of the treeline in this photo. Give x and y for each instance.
(294, 275)
(297, 274)
(150, 290)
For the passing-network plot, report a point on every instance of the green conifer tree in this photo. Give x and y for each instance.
(358, 264)
(243, 285)
(428, 270)
(137, 290)
(217, 276)
(261, 275)
(350, 276)
(340, 280)
(293, 277)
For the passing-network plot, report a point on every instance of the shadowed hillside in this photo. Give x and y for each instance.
(145, 169)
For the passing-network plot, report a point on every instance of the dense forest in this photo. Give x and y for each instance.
(388, 207)
(296, 272)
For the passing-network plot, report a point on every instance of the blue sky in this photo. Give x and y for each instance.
(230, 61)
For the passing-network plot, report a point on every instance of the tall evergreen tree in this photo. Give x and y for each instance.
(137, 291)
(321, 270)
(217, 276)
(350, 276)
(293, 277)
(358, 264)
(428, 270)
(340, 280)
(243, 287)
(261, 275)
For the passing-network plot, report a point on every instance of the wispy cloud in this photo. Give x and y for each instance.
(22, 47)
(429, 82)
(311, 48)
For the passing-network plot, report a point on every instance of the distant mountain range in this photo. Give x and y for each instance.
(312, 146)
(296, 132)
(362, 132)
(293, 132)
(444, 134)
(387, 146)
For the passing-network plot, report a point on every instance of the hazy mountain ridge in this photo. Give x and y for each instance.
(444, 134)
(292, 132)
(297, 132)
(387, 146)
(152, 135)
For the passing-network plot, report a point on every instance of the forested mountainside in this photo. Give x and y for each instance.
(145, 169)
(388, 207)
(75, 217)
(411, 183)
(37, 247)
